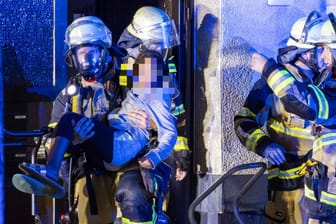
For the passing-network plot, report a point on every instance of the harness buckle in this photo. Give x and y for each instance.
(312, 169)
(316, 130)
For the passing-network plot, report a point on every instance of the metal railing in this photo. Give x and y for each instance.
(238, 196)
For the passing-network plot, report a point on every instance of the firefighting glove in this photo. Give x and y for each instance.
(183, 159)
(275, 154)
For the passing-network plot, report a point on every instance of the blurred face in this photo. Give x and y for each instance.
(147, 78)
(321, 62)
(150, 79)
(327, 57)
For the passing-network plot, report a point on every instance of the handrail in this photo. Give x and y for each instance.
(246, 187)
(220, 180)
(36, 133)
(26, 134)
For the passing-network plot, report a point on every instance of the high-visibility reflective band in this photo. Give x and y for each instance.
(323, 111)
(127, 221)
(273, 173)
(292, 173)
(67, 155)
(156, 185)
(246, 112)
(252, 140)
(178, 110)
(295, 132)
(52, 125)
(324, 140)
(280, 80)
(287, 174)
(93, 109)
(328, 198)
(181, 144)
(171, 58)
(154, 217)
(172, 67)
(75, 103)
(309, 193)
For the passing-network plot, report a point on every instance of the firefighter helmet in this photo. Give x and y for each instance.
(302, 35)
(153, 26)
(328, 32)
(89, 32)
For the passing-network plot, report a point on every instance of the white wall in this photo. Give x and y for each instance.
(223, 31)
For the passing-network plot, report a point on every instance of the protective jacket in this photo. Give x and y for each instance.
(77, 164)
(264, 119)
(82, 101)
(320, 188)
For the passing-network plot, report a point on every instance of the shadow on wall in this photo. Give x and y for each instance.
(237, 77)
(14, 80)
(205, 38)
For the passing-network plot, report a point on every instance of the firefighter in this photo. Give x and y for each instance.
(134, 43)
(152, 29)
(144, 197)
(286, 141)
(318, 202)
(92, 69)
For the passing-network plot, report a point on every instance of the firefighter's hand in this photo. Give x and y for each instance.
(146, 163)
(258, 62)
(83, 130)
(275, 154)
(140, 119)
(180, 174)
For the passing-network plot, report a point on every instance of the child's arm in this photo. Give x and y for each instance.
(167, 134)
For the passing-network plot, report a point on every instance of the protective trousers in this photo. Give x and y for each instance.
(290, 200)
(319, 201)
(135, 202)
(104, 187)
(317, 212)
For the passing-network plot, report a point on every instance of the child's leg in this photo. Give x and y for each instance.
(41, 179)
(63, 137)
(127, 145)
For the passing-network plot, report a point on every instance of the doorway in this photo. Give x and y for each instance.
(117, 14)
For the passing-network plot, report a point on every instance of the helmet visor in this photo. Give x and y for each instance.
(88, 31)
(328, 32)
(162, 34)
(88, 60)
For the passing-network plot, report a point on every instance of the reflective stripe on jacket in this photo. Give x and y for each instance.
(178, 112)
(320, 182)
(322, 187)
(265, 119)
(289, 175)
